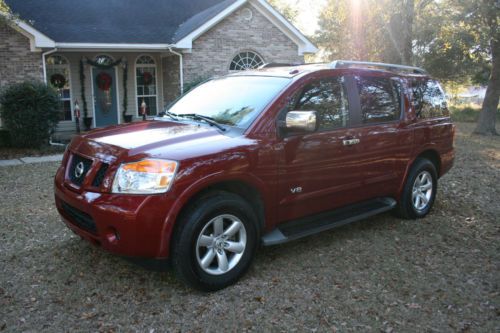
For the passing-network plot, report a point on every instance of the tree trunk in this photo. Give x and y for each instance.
(408, 14)
(487, 118)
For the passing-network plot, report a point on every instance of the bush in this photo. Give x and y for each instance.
(30, 112)
(4, 138)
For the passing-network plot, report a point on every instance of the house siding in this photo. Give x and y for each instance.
(213, 51)
(17, 62)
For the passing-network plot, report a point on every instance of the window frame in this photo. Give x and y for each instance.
(70, 99)
(238, 54)
(294, 95)
(359, 112)
(137, 96)
(426, 80)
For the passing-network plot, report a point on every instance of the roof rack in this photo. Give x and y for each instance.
(278, 64)
(389, 67)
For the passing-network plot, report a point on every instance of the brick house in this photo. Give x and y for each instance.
(115, 58)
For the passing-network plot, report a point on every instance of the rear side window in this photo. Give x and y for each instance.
(328, 98)
(380, 99)
(428, 99)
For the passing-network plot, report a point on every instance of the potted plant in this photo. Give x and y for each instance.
(87, 122)
(127, 118)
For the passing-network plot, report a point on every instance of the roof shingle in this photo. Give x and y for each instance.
(117, 21)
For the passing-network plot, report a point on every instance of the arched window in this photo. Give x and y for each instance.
(58, 76)
(145, 75)
(245, 61)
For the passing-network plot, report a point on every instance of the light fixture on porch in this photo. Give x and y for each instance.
(143, 109)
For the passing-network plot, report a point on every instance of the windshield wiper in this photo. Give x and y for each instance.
(172, 115)
(206, 119)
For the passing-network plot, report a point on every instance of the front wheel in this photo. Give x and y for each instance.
(419, 191)
(215, 242)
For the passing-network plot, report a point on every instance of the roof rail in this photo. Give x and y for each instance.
(389, 67)
(278, 64)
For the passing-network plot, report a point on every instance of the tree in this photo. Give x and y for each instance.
(289, 11)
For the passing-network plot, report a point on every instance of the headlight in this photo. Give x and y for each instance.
(145, 177)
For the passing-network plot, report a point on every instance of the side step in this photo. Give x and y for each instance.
(311, 225)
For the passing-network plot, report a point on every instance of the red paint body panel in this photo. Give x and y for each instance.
(330, 174)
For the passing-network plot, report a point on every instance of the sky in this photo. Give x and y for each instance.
(307, 20)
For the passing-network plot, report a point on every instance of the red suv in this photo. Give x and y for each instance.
(259, 157)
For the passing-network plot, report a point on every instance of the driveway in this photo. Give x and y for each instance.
(380, 274)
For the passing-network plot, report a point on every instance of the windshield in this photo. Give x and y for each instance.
(234, 101)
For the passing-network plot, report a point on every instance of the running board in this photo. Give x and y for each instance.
(311, 225)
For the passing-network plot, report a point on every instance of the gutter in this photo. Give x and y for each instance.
(44, 65)
(181, 68)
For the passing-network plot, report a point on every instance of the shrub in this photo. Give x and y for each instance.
(4, 138)
(30, 112)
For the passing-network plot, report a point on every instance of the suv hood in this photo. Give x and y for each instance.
(169, 133)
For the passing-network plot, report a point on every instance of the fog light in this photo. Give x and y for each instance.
(112, 235)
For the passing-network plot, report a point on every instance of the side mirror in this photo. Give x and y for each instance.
(301, 121)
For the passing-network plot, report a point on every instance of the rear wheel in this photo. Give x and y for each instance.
(419, 191)
(215, 242)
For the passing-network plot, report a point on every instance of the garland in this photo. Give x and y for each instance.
(82, 90)
(125, 77)
(101, 66)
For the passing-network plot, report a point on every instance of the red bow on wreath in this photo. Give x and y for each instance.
(104, 81)
(147, 78)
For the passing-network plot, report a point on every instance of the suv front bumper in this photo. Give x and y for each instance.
(128, 225)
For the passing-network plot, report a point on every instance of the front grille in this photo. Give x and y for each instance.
(99, 177)
(78, 169)
(79, 218)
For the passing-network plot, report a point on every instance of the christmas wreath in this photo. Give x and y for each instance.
(58, 81)
(104, 81)
(147, 78)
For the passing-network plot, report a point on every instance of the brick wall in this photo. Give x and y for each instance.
(214, 50)
(17, 62)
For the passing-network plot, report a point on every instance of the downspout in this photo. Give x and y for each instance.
(181, 68)
(44, 65)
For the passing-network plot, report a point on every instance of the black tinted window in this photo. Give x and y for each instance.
(328, 98)
(428, 99)
(380, 99)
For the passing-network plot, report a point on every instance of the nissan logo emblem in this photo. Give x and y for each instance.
(79, 169)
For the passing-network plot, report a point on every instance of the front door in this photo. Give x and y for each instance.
(105, 101)
(319, 171)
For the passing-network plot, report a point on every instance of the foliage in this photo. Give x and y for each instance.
(287, 9)
(30, 111)
(467, 114)
(194, 83)
(4, 138)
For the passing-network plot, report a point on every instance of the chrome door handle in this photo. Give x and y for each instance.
(351, 142)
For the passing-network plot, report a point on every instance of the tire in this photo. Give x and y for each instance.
(217, 226)
(419, 191)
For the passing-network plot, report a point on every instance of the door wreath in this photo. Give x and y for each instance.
(104, 81)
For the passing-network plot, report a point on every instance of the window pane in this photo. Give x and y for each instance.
(146, 81)
(428, 99)
(329, 99)
(150, 105)
(234, 101)
(380, 99)
(245, 61)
